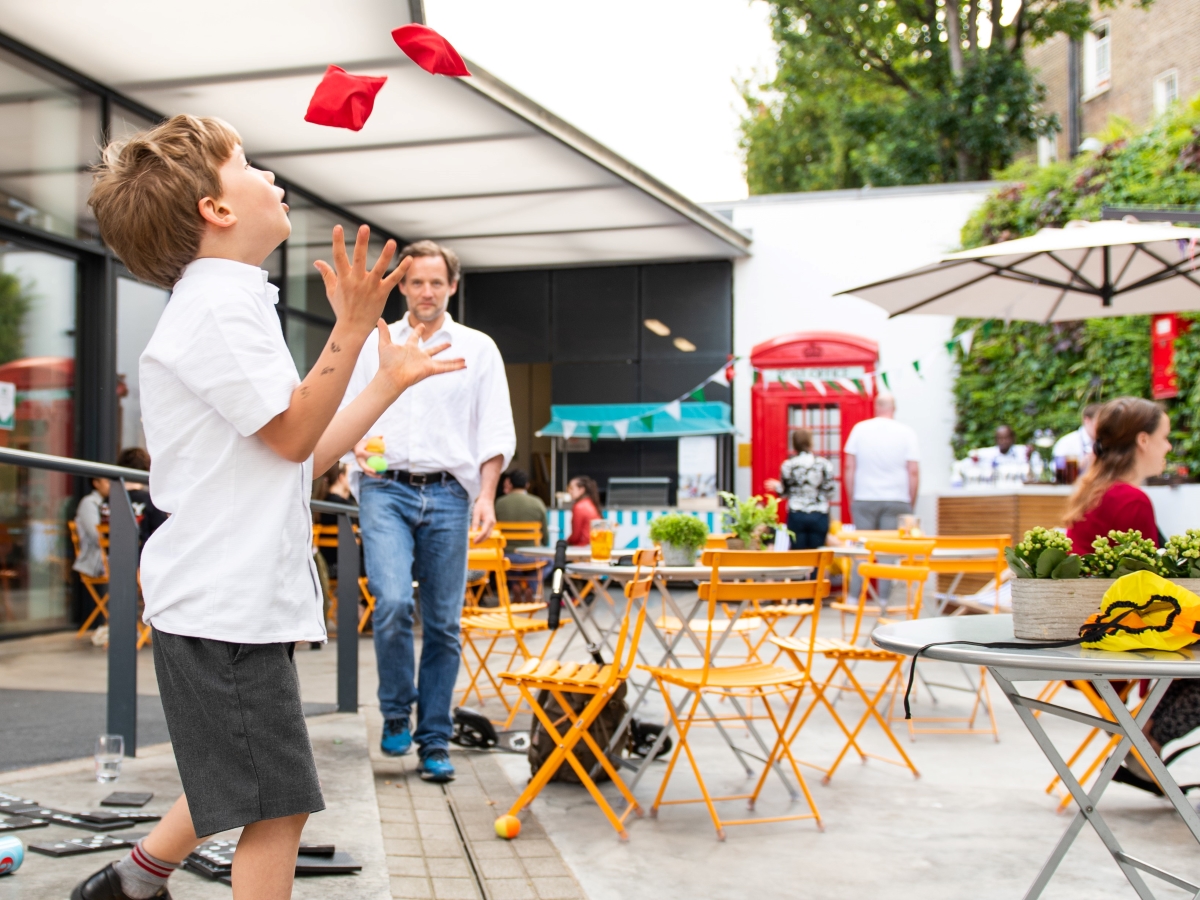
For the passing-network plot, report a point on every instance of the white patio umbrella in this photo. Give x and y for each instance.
(1085, 270)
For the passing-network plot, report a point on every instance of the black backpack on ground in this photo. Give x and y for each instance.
(602, 731)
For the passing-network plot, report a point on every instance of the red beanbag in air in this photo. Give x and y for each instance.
(343, 100)
(429, 50)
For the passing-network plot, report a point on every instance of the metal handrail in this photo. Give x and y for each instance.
(123, 553)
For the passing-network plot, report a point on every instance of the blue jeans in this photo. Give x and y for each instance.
(409, 530)
(810, 528)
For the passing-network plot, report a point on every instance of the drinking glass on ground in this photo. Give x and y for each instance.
(602, 534)
(110, 749)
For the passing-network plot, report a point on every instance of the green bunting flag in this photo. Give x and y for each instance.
(988, 325)
(648, 422)
(698, 394)
(950, 346)
(917, 367)
(594, 431)
(858, 383)
(883, 377)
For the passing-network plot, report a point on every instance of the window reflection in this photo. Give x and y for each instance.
(139, 307)
(51, 136)
(37, 357)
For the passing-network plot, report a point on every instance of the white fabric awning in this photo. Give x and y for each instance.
(467, 161)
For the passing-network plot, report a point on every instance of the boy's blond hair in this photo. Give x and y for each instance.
(148, 188)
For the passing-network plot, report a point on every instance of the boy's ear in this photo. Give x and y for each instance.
(216, 213)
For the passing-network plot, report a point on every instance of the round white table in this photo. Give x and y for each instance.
(957, 639)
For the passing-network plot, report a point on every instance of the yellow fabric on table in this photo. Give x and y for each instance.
(1144, 611)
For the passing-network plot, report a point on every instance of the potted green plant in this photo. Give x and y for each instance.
(749, 520)
(1056, 590)
(681, 536)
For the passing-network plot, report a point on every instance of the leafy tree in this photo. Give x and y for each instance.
(14, 304)
(887, 92)
(1039, 376)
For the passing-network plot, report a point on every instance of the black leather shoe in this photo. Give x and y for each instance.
(106, 885)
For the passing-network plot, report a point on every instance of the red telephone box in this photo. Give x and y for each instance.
(778, 407)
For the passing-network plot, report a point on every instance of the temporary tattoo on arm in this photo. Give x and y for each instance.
(327, 370)
(304, 390)
(334, 348)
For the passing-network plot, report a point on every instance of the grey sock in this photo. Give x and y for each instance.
(142, 875)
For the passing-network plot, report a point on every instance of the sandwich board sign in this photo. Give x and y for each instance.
(8, 405)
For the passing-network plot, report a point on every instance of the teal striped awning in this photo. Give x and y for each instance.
(622, 421)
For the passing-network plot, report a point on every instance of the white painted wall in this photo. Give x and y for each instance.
(807, 247)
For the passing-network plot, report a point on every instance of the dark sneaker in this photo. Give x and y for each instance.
(397, 737)
(435, 766)
(106, 885)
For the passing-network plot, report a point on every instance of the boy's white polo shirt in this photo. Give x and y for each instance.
(234, 560)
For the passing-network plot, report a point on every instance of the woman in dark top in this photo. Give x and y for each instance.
(1132, 443)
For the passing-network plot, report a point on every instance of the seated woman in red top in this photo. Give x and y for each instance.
(1132, 443)
(586, 494)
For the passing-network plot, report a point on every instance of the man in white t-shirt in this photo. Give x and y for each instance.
(882, 472)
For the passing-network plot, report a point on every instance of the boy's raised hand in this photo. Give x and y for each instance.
(406, 364)
(356, 293)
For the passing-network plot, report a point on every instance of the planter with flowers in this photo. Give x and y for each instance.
(750, 520)
(1056, 590)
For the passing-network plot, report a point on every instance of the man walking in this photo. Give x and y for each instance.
(882, 469)
(445, 447)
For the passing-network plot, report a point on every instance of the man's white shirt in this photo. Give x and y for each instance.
(1074, 443)
(452, 422)
(234, 560)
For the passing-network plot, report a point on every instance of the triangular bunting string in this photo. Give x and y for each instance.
(847, 385)
(698, 394)
(569, 429)
(594, 431)
(672, 409)
(883, 377)
(916, 364)
(818, 386)
(648, 422)
(966, 339)
(621, 426)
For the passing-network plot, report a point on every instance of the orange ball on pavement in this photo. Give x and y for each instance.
(508, 827)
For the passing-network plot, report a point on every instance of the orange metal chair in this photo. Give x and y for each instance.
(525, 573)
(484, 552)
(907, 551)
(145, 632)
(750, 680)
(92, 584)
(327, 536)
(488, 626)
(847, 653)
(557, 678)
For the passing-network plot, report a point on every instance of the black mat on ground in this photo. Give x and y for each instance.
(49, 726)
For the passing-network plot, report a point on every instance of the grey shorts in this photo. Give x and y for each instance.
(237, 728)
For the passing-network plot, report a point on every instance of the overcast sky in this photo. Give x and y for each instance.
(651, 79)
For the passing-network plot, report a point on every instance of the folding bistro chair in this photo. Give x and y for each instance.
(487, 626)
(528, 574)
(92, 584)
(748, 680)
(992, 564)
(847, 653)
(905, 551)
(601, 682)
(327, 536)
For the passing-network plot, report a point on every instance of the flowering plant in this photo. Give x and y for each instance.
(1043, 553)
(1181, 556)
(1121, 552)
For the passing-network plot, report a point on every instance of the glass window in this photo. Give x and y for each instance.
(139, 307)
(1166, 91)
(308, 317)
(51, 136)
(1097, 59)
(37, 357)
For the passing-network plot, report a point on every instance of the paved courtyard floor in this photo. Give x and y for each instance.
(976, 824)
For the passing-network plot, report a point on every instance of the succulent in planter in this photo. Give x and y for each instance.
(1044, 553)
(750, 519)
(1121, 552)
(1181, 556)
(680, 536)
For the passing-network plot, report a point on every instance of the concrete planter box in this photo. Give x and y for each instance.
(1052, 609)
(678, 556)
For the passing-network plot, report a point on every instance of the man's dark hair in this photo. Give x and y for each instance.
(1092, 410)
(134, 458)
(517, 478)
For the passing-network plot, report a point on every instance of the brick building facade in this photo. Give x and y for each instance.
(1133, 64)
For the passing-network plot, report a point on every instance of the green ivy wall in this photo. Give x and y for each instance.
(1039, 376)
